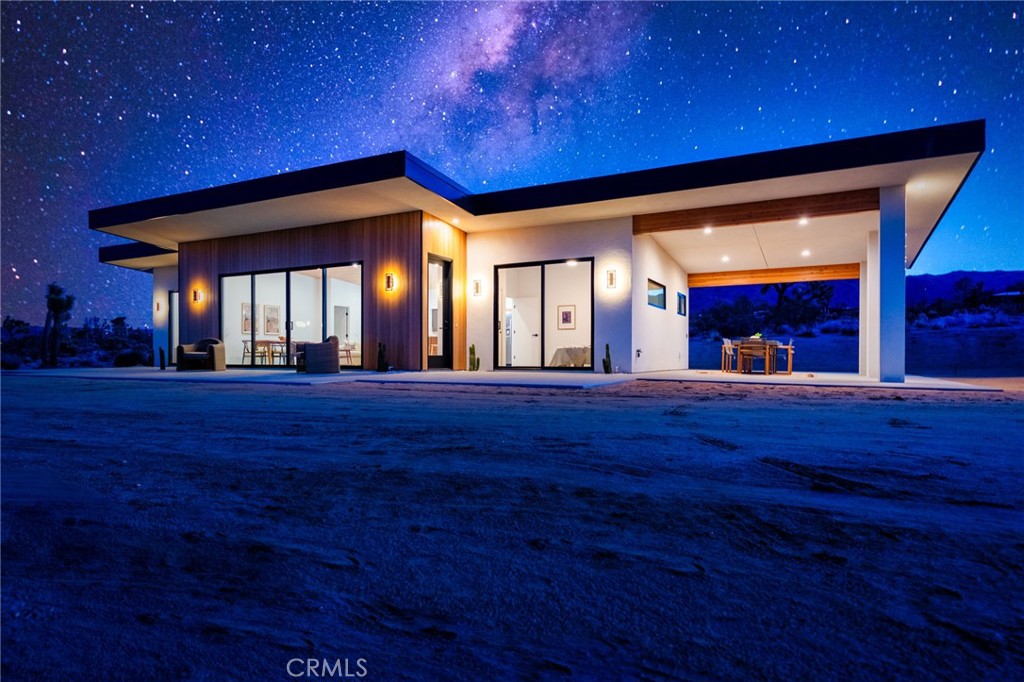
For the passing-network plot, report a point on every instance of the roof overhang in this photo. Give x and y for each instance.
(138, 256)
(932, 163)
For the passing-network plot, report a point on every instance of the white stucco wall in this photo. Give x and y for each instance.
(608, 241)
(660, 336)
(165, 280)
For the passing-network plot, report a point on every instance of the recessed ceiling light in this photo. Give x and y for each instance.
(804, 221)
(805, 253)
(455, 221)
(707, 229)
(725, 259)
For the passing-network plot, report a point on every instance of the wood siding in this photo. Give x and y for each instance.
(383, 244)
(441, 239)
(837, 203)
(811, 273)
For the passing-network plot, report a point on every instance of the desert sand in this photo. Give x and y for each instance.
(644, 531)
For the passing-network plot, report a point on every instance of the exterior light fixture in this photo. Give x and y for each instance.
(571, 262)
(611, 279)
(707, 229)
(158, 306)
(478, 287)
(390, 281)
(725, 259)
(197, 295)
(455, 221)
(805, 253)
(804, 221)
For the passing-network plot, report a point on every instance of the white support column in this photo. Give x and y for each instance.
(892, 283)
(863, 327)
(870, 309)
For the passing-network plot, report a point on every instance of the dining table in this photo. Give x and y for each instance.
(748, 351)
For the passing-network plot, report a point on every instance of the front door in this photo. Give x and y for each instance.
(439, 313)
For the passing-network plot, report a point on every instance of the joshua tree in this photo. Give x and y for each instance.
(58, 312)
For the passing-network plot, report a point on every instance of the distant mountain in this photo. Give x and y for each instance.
(928, 288)
(920, 289)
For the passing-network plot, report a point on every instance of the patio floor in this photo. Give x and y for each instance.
(529, 379)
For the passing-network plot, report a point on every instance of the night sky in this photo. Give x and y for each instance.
(108, 103)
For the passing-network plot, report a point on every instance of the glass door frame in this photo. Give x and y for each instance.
(252, 274)
(499, 312)
(444, 360)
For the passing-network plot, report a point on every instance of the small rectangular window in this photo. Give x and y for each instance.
(655, 294)
(681, 304)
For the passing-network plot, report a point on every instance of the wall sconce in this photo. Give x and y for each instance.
(478, 287)
(158, 306)
(611, 279)
(390, 281)
(197, 295)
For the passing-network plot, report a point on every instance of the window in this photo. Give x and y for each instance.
(655, 294)
(681, 304)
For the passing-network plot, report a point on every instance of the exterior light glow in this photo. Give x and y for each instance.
(390, 281)
(478, 287)
(804, 221)
(197, 295)
(611, 279)
(725, 259)
(707, 229)
(805, 253)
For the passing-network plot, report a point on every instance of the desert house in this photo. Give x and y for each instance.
(386, 250)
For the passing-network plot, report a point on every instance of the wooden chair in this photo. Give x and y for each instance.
(788, 348)
(728, 356)
(751, 350)
(261, 351)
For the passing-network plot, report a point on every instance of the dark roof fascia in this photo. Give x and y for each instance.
(334, 176)
(910, 145)
(122, 252)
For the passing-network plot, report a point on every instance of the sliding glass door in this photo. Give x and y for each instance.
(265, 315)
(545, 315)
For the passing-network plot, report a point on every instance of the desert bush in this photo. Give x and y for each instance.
(131, 358)
(9, 361)
(842, 326)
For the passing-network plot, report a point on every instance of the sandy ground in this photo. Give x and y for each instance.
(646, 531)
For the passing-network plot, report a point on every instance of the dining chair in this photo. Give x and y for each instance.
(750, 350)
(728, 356)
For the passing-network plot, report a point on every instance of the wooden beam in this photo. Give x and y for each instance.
(792, 208)
(811, 273)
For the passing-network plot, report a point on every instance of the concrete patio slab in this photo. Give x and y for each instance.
(816, 379)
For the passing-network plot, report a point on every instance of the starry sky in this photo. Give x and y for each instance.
(106, 103)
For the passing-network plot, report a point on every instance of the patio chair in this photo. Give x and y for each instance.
(749, 351)
(319, 358)
(789, 350)
(728, 356)
(206, 354)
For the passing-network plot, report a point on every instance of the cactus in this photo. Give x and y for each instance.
(474, 361)
(607, 361)
(382, 363)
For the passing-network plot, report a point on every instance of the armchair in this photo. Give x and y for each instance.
(205, 354)
(319, 358)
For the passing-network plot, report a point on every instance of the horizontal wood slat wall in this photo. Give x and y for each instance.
(383, 244)
(837, 203)
(441, 239)
(811, 273)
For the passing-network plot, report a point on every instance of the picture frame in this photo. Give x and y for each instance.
(566, 317)
(681, 303)
(246, 318)
(271, 319)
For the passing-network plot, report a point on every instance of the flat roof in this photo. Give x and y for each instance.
(932, 163)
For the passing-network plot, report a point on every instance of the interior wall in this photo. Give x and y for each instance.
(609, 242)
(660, 337)
(165, 280)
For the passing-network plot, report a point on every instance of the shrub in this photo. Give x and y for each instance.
(9, 361)
(130, 358)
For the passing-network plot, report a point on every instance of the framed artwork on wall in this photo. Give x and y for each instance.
(271, 319)
(246, 318)
(681, 303)
(567, 317)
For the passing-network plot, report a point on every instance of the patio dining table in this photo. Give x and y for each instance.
(748, 350)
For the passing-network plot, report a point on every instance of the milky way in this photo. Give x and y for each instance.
(114, 102)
